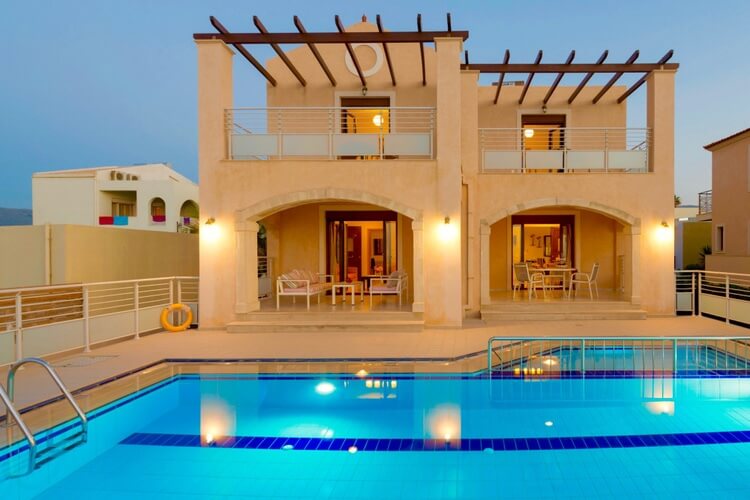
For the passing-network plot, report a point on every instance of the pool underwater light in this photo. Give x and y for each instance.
(325, 388)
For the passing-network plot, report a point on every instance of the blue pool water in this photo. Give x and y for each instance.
(409, 436)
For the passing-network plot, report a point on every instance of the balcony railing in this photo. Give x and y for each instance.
(556, 150)
(330, 133)
(705, 202)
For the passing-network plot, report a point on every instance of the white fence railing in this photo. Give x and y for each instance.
(522, 150)
(40, 321)
(719, 295)
(330, 133)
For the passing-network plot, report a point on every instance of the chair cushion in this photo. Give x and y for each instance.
(383, 288)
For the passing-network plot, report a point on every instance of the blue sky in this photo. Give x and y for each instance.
(87, 83)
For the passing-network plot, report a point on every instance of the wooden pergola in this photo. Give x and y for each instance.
(589, 69)
(311, 39)
(420, 37)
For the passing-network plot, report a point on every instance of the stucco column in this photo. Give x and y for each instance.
(442, 231)
(246, 267)
(484, 245)
(418, 266)
(470, 173)
(633, 263)
(217, 267)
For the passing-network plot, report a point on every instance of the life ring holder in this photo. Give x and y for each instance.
(164, 318)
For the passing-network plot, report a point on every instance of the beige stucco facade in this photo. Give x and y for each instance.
(454, 215)
(730, 159)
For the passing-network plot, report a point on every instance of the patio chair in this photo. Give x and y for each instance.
(587, 279)
(394, 284)
(523, 276)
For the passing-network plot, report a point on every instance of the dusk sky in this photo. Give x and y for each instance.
(90, 83)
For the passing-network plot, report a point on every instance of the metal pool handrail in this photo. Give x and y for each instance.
(580, 342)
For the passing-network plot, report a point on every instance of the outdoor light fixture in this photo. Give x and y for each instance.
(446, 231)
(447, 220)
(664, 223)
(364, 90)
(528, 133)
(663, 232)
(377, 120)
(325, 388)
(210, 231)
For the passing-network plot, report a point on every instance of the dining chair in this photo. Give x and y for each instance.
(586, 279)
(521, 271)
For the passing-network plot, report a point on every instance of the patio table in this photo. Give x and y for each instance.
(348, 285)
(566, 273)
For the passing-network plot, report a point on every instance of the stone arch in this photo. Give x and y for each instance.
(615, 213)
(284, 201)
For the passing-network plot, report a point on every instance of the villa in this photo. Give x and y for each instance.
(377, 154)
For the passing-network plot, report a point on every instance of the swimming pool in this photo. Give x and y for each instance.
(403, 435)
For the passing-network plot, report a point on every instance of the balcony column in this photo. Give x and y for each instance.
(484, 245)
(442, 245)
(246, 264)
(217, 267)
(418, 266)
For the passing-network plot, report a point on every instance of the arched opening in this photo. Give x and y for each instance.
(189, 217)
(336, 242)
(356, 240)
(158, 210)
(559, 242)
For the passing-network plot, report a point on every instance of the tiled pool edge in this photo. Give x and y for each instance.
(427, 445)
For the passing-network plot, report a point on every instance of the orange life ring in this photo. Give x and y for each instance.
(182, 326)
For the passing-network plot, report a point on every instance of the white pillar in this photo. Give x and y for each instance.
(418, 266)
(246, 278)
(635, 263)
(484, 256)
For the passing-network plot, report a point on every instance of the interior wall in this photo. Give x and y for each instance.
(299, 236)
(499, 256)
(598, 244)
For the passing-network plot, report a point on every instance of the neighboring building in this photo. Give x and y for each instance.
(151, 196)
(378, 153)
(692, 238)
(730, 203)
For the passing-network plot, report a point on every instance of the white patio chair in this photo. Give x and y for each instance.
(523, 275)
(586, 279)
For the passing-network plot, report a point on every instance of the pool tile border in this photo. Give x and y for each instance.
(425, 445)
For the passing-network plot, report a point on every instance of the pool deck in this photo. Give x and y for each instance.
(34, 386)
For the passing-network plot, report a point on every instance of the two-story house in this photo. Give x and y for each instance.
(380, 151)
(730, 203)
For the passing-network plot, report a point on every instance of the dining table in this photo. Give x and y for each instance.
(552, 271)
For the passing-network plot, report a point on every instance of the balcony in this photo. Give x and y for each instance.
(313, 133)
(705, 202)
(561, 150)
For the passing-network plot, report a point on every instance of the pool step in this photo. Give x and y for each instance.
(53, 451)
(265, 322)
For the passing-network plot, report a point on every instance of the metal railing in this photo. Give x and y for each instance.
(330, 133)
(715, 294)
(11, 411)
(529, 149)
(39, 321)
(705, 202)
(530, 357)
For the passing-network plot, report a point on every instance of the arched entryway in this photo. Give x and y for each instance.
(561, 233)
(349, 235)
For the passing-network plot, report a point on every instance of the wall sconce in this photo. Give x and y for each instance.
(664, 232)
(664, 223)
(447, 220)
(446, 231)
(210, 230)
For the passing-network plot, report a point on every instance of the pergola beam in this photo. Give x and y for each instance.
(421, 49)
(642, 80)
(386, 51)
(502, 77)
(559, 78)
(258, 24)
(315, 52)
(224, 32)
(530, 77)
(331, 37)
(614, 79)
(349, 49)
(489, 68)
(598, 65)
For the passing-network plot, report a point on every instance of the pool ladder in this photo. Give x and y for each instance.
(39, 458)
